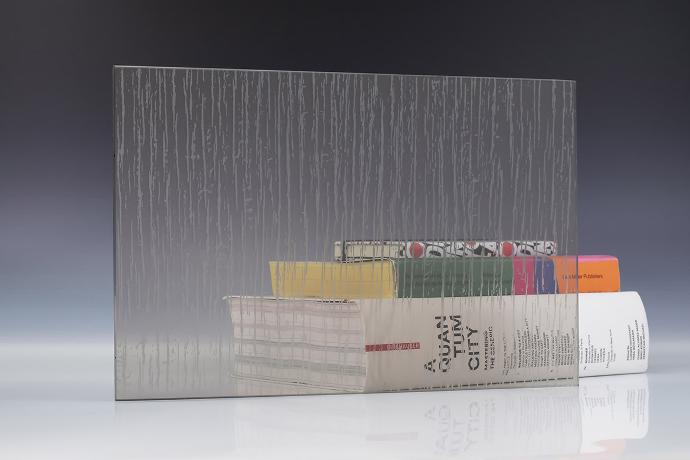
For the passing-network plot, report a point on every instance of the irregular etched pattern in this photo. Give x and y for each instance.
(218, 172)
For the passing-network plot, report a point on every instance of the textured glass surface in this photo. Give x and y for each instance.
(218, 173)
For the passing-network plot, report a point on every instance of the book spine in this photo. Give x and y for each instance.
(454, 277)
(524, 275)
(586, 274)
(365, 250)
(614, 334)
(544, 276)
(333, 280)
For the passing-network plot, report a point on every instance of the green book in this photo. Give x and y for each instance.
(453, 277)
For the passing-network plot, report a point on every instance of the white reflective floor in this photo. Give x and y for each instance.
(56, 402)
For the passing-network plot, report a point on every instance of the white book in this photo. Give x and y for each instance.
(432, 343)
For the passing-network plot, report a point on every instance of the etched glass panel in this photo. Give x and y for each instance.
(303, 232)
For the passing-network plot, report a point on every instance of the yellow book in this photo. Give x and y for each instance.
(334, 280)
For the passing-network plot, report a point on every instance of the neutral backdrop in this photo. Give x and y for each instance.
(630, 61)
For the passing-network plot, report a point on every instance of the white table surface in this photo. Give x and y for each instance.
(56, 402)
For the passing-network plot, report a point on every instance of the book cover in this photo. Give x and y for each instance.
(403, 344)
(430, 343)
(614, 334)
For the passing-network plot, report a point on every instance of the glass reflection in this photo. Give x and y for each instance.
(598, 418)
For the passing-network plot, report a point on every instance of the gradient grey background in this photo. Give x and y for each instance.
(630, 61)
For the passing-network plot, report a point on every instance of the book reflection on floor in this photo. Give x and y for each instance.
(594, 419)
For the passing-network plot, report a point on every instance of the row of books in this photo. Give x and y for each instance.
(445, 277)
(388, 316)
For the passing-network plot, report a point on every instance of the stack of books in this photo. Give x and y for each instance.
(408, 315)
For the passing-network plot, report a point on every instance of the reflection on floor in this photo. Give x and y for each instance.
(599, 417)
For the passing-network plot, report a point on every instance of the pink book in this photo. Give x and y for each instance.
(523, 275)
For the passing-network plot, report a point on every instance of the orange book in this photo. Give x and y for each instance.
(593, 274)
